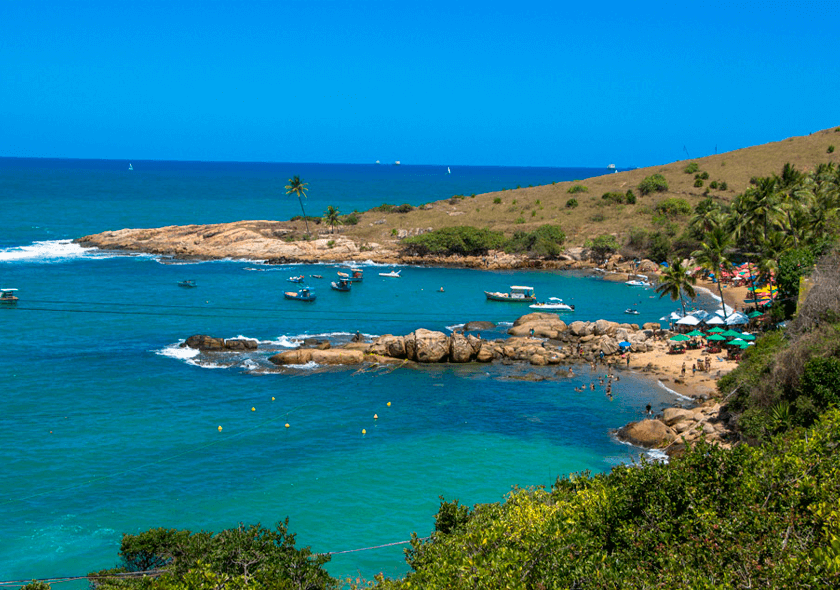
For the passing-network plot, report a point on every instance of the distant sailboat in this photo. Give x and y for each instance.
(377, 161)
(397, 163)
(130, 167)
(448, 171)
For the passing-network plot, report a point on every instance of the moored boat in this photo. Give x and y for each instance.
(187, 284)
(393, 273)
(631, 311)
(355, 275)
(297, 279)
(518, 294)
(301, 295)
(341, 285)
(8, 296)
(553, 304)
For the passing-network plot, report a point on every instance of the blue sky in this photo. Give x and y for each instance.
(487, 83)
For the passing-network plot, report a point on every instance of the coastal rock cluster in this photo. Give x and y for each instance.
(678, 427)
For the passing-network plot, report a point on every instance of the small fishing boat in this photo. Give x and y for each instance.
(316, 276)
(302, 295)
(631, 311)
(187, 284)
(355, 275)
(517, 294)
(637, 283)
(8, 296)
(341, 285)
(393, 273)
(297, 279)
(130, 167)
(553, 304)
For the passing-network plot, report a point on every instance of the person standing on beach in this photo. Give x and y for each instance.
(628, 359)
(682, 372)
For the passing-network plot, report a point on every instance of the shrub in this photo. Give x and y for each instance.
(691, 168)
(386, 208)
(351, 219)
(331, 244)
(830, 149)
(602, 245)
(520, 220)
(545, 241)
(724, 186)
(630, 198)
(713, 184)
(613, 197)
(703, 175)
(571, 203)
(698, 182)
(463, 240)
(673, 207)
(578, 188)
(497, 200)
(597, 217)
(653, 183)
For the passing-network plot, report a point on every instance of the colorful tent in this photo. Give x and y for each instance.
(754, 314)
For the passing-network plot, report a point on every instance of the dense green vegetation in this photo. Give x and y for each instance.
(653, 183)
(763, 517)
(470, 241)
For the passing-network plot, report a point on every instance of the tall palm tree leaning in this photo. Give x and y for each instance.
(712, 257)
(297, 187)
(675, 281)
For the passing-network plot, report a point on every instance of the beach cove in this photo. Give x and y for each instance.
(111, 427)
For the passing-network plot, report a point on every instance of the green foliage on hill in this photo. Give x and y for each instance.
(602, 245)
(470, 241)
(653, 183)
(386, 208)
(461, 240)
(765, 517)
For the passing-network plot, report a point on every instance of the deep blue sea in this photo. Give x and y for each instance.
(108, 427)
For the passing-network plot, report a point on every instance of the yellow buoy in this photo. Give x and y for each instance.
(287, 424)
(364, 431)
(253, 409)
(272, 398)
(220, 428)
(389, 404)
(375, 417)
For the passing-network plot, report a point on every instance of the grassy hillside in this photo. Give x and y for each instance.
(528, 208)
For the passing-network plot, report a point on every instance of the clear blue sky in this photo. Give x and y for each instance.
(499, 83)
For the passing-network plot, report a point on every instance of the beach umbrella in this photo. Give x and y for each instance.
(695, 333)
(624, 344)
(679, 338)
(716, 337)
(754, 314)
(689, 320)
(744, 345)
(748, 336)
(731, 334)
(715, 330)
(715, 321)
(736, 341)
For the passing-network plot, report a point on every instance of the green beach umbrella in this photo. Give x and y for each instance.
(744, 345)
(695, 333)
(754, 314)
(736, 341)
(731, 334)
(716, 337)
(716, 330)
(679, 338)
(748, 336)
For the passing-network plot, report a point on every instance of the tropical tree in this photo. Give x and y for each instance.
(298, 188)
(675, 281)
(332, 217)
(712, 257)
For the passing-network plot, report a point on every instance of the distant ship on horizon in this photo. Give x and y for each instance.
(397, 163)
(130, 167)
(611, 167)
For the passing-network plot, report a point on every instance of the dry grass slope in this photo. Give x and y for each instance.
(528, 208)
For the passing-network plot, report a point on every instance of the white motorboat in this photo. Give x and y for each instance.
(553, 304)
(393, 273)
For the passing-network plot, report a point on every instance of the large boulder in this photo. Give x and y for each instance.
(651, 434)
(209, 343)
(427, 346)
(544, 325)
(334, 356)
(603, 327)
(609, 345)
(461, 349)
(299, 356)
(579, 328)
(671, 416)
(389, 345)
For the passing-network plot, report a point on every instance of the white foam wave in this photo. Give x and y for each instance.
(51, 251)
(668, 389)
(455, 327)
(285, 341)
(175, 351)
(306, 367)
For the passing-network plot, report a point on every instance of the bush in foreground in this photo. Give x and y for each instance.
(654, 183)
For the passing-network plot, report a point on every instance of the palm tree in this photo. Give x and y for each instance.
(332, 217)
(298, 188)
(712, 257)
(675, 281)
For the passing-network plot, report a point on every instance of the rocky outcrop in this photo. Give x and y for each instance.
(209, 343)
(333, 356)
(650, 434)
(427, 346)
(476, 326)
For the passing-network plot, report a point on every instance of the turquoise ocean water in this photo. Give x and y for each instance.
(108, 427)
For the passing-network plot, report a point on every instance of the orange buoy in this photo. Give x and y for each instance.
(375, 417)
(287, 424)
